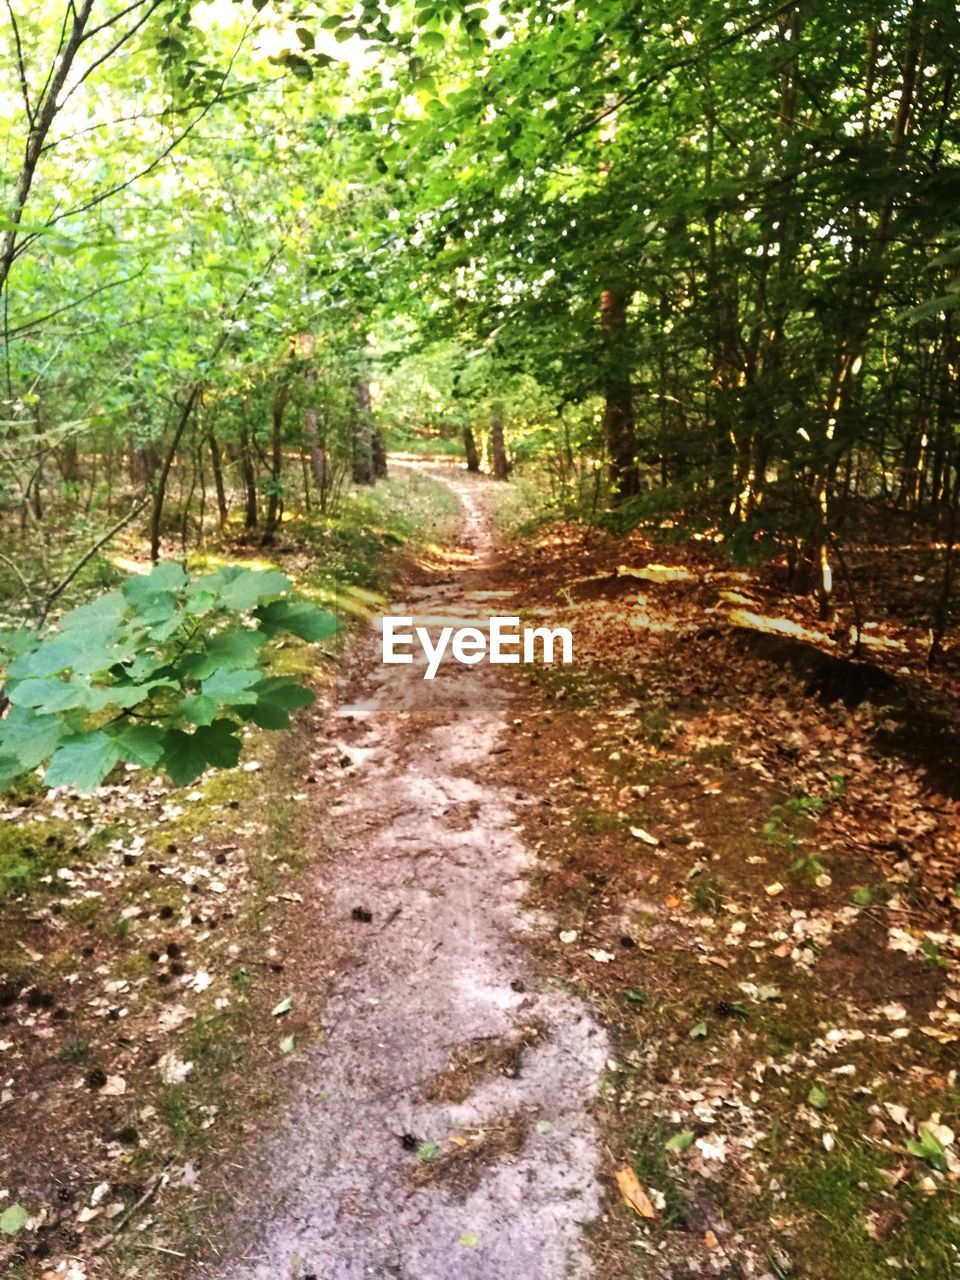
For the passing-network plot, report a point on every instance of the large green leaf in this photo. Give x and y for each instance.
(299, 617)
(276, 698)
(242, 589)
(83, 762)
(232, 687)
(138, 743)
(186, 755)
(237, 648)
(26, 740)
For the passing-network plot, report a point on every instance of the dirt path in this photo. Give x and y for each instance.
(440, 1032)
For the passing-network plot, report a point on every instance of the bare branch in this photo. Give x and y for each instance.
(86, 557)
(21, 67)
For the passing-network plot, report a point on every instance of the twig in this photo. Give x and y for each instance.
(23, 582)
(152, 1188)
(88, 555)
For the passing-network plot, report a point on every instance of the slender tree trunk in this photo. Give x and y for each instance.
(618, 421)
(379, 448)
(941, 617)
(363, 472)
(498, 447)
(275, 505)
(160, 492)
(249, 479)
(470, 448)
(318, 455)
(216, 461)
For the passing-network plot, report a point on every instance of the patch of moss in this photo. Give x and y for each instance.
(30, 852)
(837, 1198)
(598, 822)
(86, 909)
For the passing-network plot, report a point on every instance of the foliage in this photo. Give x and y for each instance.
(162, 673)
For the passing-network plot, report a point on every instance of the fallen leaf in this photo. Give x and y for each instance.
(634, 1194)
(639, 834)
(13, 1219)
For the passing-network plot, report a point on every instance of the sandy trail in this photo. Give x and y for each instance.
(425, 842)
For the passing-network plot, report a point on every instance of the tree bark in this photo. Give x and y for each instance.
(618, 422)
(498, 447)
(160, 492)
(275, 505)
(216, 460)
(470, 448)
(379, 448)
(363, 472)
(249, 480)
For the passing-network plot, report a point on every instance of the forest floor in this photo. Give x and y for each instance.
(685, 908)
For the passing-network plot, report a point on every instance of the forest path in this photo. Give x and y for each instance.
(439, 1029)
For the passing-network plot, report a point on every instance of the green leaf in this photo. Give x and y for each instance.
(29, 738)
(929, 1148)
(198, 708)
(186, 755)
(287, 1044)
(13, 1219)
(241, 589)
(431, 40)
(635, 996)
(299, 617)
(276, 696)
(428, 1151)
(698, 1031)
(139, 743)
(283, 1007)
(679, 1141)
(106, 612)
(154, 595)
(469, 1240)
(237, 648)
(862, 896)
(817, 1098)
(83, 762)
(231, 686)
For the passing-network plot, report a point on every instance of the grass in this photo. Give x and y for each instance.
(654, 1167)
(353, 545)
(838, 1199)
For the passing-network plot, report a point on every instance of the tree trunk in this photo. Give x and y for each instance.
(249, 480)
(501, 467)
(160, 492)
(618, 422)
(318, 455)
(379, 447)
(216, 460)
(275, 505)
(470, 448)
(363, 472)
